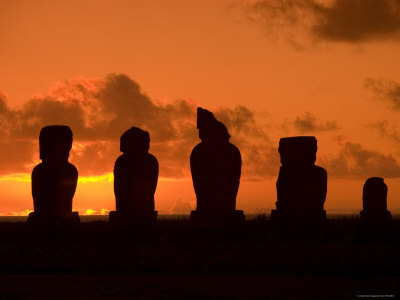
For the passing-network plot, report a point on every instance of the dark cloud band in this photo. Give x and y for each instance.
(99, 111)
(351, 21)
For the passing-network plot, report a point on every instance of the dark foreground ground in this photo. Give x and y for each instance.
(180, 260)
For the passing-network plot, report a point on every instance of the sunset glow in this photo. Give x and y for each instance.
(265, 69)
(90, 212)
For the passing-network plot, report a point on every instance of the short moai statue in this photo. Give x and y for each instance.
(375, 201)
(216, 168)
(301, 185)
(54, 180)
(135, 179)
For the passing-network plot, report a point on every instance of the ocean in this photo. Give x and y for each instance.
(171, 217)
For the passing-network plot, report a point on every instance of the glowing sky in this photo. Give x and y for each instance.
(267, 69)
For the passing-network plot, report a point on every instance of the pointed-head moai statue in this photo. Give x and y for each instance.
(211, 131)
(54, 180)
(375, 201)
(301, 185)
(216, 167)
(135, 179)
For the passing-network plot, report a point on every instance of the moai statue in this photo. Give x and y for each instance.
(301, 185)
(216, 167)
(374, 201)
(135, 179)
(54, 180)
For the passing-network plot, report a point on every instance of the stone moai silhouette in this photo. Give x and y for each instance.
(135, 179)
(216, 168)
(301, 185)
(375, 200)
(54, 180)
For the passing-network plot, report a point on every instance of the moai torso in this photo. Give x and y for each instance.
(215, 165)
(135, 175)
(375, 196)
(301, 186)
(54, 180)
(216, 176)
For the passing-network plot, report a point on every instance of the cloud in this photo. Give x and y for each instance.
(309, 123)
(355, 162)
(260, 156)
(385, 90)
(100, 110)
(386, 130)
(182, 207)
(351, 21)
(94, 157)
(17, 156)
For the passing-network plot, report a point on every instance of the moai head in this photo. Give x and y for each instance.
(374, 196)
(298, 150)
(210, 129)
(55, 142)
(135, 141)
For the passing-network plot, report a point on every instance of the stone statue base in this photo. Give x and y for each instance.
(69, 219)
(280, 216)
(53, 228)
(132, 219)
(235, 216)
(375, 218)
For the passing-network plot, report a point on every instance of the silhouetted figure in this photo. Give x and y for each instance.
(216, 166)
(135, 179)
(301, 186)
(374, 201)
(54, 180)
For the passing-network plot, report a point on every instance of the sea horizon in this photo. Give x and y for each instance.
(177, 217)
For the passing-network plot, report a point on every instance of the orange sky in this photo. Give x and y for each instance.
(266, 69)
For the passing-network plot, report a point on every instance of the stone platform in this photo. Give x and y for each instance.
(229, 217)
(132, 219)
(39, 219)
(280, 216)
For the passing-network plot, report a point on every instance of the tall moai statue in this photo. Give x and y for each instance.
(375, 201)
(216, 167)
(135, 179)
(54, 180)
(301, 185)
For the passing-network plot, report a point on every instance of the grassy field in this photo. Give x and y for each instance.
(177, 259)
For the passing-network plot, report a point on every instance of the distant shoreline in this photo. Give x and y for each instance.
(166, 217)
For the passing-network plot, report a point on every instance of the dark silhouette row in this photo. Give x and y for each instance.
(215, 166)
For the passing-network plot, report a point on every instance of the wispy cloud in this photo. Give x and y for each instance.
(385, 90)
(387, 131)
(309, 123)
(355, 162)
